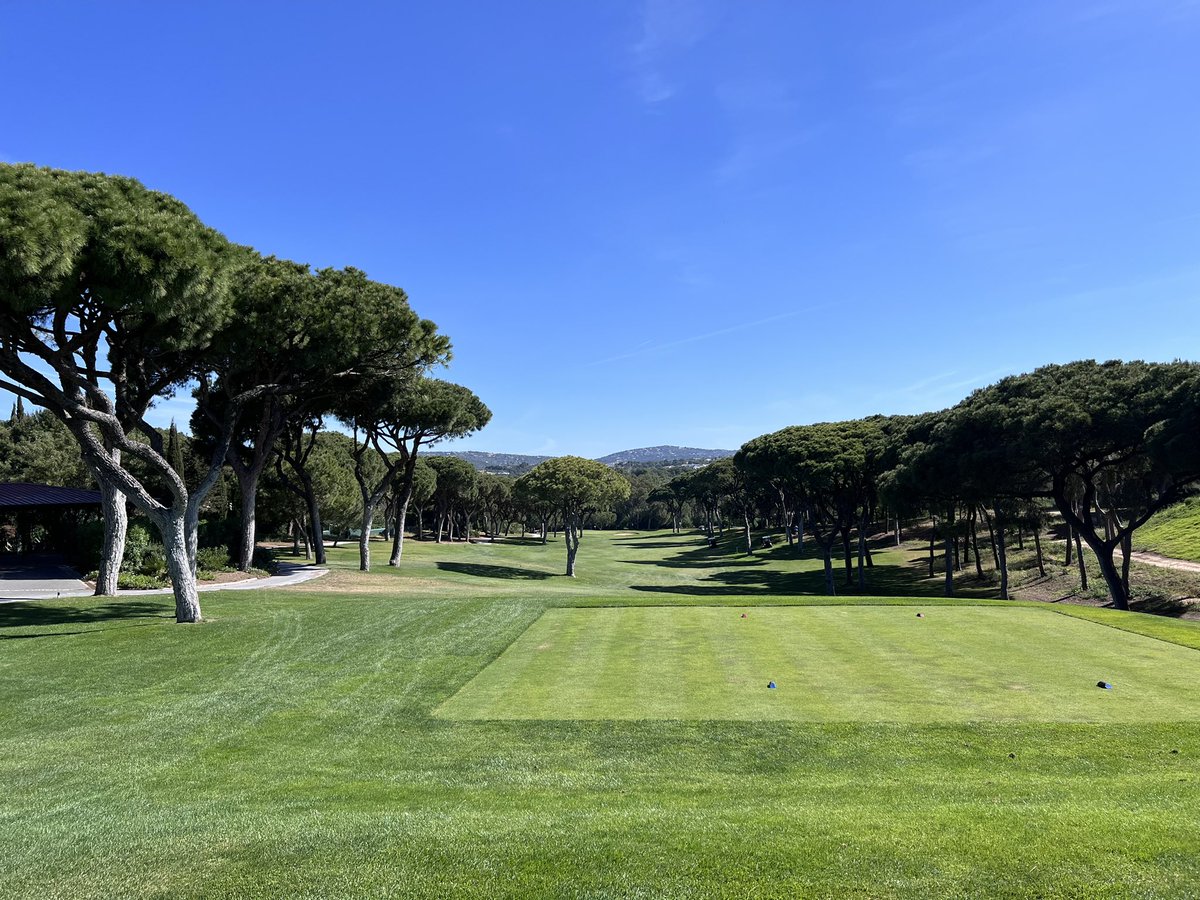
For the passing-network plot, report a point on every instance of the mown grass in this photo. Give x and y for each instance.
(652, 567)
(1173, 532)
(289, 747)
(831, 664)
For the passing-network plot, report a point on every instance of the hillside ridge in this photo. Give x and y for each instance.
(488, 461)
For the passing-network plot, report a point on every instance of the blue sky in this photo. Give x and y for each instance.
(671, 221)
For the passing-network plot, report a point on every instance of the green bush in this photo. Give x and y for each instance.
(213, 559)
(131, 581)
(143, 554)
(264, 558)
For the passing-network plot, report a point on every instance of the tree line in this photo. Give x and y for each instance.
(113, 297)
(1099, 446)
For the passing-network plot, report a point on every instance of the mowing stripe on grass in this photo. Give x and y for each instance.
(831, 664)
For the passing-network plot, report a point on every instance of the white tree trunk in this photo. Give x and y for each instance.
(116, 524)
(173, 527)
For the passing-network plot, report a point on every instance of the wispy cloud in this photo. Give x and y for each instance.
(753, 151)
(644, 348)
(666, 27)
(941, 389)
(767, 125)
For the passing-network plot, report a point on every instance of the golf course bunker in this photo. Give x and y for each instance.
(832, 664)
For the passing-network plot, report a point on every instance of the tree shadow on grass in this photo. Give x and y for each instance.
(907, 580)
(519, 540)
(481, 570)
(730, 551)
(32, 615)
(647, 545)
(715, 561)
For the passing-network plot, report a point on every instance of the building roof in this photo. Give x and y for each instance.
(15, 495)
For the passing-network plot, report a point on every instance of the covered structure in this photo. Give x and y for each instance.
(42, 516)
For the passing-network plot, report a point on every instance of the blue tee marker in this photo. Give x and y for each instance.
(771, 685)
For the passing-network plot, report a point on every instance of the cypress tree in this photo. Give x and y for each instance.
(175, 451)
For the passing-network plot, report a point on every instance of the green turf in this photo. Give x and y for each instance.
(638, 567)
(290, 747)
(1173, 532)
(845, 664)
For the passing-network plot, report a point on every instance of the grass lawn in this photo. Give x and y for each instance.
(1173, 532)
(832, 664)
(296, 744)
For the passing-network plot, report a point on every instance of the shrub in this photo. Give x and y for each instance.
(131, 581)
(213, 559)
(264, 558)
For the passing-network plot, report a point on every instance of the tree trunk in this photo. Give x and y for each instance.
(364, 539)
(975, 543)
(401, 515)
(1002, 552)
(749, 539)
(932, 539)
(1112, 578)
(992, 539)
(827, 555)
(1126, 554)
(1037, 543)
(247, 478)
(314, 520)
(848, 556)
(173, 530)
(949, 542)
(116, 525)
(1083, 576)
(862, 550)
(571, 536)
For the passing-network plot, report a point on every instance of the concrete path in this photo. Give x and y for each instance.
(38, 576)
(20, 587)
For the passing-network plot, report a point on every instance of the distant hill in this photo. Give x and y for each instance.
(665, 453)
(516, 463)
(510, 463)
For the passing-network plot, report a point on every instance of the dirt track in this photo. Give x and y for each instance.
(1164, 562)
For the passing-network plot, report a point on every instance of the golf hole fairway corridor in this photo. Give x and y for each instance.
(832, 664)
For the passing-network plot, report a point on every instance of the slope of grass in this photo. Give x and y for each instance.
(1173, 532)
(289, 747)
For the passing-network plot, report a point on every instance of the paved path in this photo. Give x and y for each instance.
(16, 584)
(38, 576)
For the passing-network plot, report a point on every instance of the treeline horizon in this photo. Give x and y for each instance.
(113, 297)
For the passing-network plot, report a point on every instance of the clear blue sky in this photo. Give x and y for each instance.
(671, 221)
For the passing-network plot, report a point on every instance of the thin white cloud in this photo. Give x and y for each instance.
(666, 27)
(695, 338)
(753, 151)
